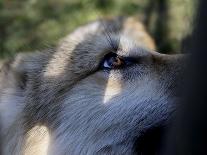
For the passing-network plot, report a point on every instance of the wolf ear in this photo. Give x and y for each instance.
(14, 72)
(19, 73)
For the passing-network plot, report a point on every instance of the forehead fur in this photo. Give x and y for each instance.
(85, 56)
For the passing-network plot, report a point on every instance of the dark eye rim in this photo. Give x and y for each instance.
(128, 61)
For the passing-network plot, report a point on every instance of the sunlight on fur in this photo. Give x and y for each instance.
(53, 70)
(37, 141)
(113, 88)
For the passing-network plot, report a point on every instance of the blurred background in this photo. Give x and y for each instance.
(29, 25)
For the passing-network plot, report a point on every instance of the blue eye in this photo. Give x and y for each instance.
(113, 61)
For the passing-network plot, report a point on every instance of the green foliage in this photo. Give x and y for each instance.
(28, 25)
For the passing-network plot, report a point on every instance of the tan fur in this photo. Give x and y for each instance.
(60, 101)
(137, 31)
(37, 141)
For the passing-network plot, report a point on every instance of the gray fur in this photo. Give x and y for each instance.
(63, 93)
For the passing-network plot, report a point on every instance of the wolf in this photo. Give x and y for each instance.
(102, 90)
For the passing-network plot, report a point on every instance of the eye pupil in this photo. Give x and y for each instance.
(111, 60)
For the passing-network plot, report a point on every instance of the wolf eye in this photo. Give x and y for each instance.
(113, 61)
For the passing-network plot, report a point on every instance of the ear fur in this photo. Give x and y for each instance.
(14, 72)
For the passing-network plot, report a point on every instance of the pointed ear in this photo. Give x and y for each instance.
(14, 72)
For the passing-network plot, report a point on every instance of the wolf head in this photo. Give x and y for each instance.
(99, 92)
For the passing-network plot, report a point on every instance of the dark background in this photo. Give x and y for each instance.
(188, 134)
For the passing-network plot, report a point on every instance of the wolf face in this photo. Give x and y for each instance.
(98, 92)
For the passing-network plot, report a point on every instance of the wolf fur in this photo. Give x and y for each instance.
(60, 102)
